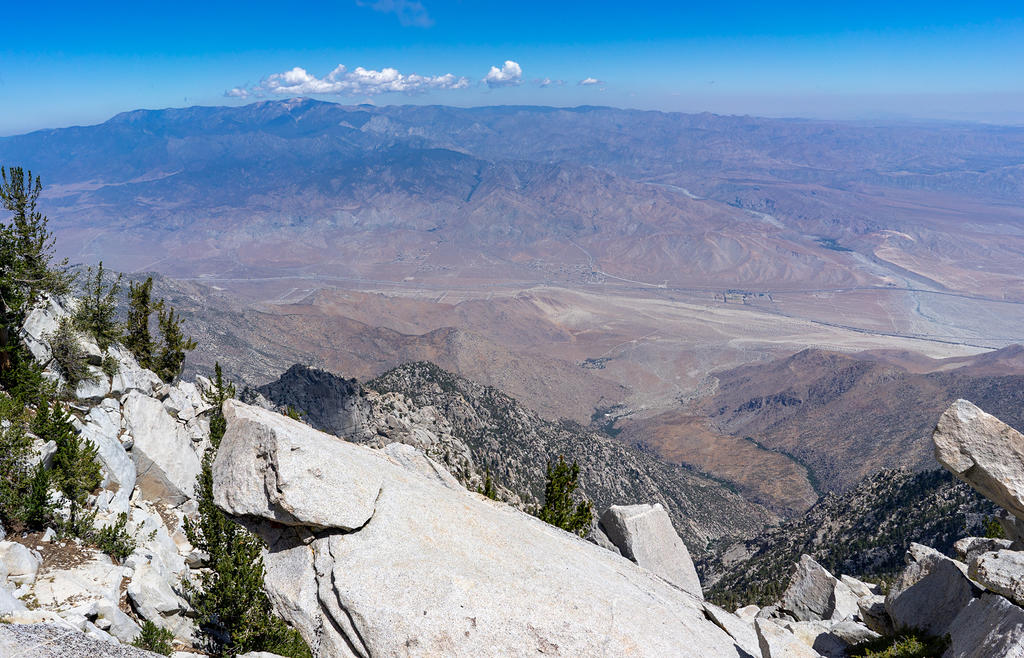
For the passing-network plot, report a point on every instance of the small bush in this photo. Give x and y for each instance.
(110, 366)
(114, 540)
(993, 528)
(68, 354)
(908, 644)
(155, 639)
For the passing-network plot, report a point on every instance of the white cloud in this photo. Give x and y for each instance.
(586, 82)
(342, 82)
(509, 74)
(409, 12)
(548, 82)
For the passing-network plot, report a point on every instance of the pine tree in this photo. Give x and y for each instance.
(137, 337)
(97, 310)
(220, 392)
(488, 489)
(169, 362)
(235, 615)
(559, 508)
(27, 270)
(76, 473)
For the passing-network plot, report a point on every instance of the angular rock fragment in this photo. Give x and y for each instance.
(644, 534)
(984, 452)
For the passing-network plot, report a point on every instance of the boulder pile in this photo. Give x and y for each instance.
(975, 601)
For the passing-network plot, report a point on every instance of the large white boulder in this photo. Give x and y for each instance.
(20, 562)
(986, 627)
(777, 642)
(41, 322)
(1000, 571)
(165, 459)
(930, 592)
(272, 471)
(984, 452)
(814, 594)
(644, 534)
(103, 427)
(154, 598)
(404, 565)
(130, 376)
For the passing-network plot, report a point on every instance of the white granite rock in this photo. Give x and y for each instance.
(644, 534)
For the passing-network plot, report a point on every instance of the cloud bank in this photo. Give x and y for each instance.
(342, 82)
(508, 75)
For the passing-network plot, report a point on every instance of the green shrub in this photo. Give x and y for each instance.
(38, 508)
(68, 354)
(559, 509)
(155, 639)
(114, 539)
(137, 337)
(993, 528)
(168, 363)
(15, 452)
(908, 644)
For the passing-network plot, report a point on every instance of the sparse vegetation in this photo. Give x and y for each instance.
(864, 533)
(155, 639)
(137, 337)
(76, 471)
(560, 509)
(27, 270)
(904, 645)
(221, 391)
(68, 354)
(488, 489)
(114, 539)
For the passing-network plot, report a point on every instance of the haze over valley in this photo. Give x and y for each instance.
(601, 265)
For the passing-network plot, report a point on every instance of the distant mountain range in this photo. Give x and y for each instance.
(308, 188)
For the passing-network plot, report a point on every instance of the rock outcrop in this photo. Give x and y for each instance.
(380, 560)
(983, 451)
(644, 534)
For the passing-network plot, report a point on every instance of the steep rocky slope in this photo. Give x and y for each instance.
(863, 532)
(472, 428)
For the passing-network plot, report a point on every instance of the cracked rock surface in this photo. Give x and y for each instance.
(379, 559)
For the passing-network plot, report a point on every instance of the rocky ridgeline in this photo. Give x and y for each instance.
(473, 429)
(864, 532)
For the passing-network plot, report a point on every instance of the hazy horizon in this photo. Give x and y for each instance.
(871, 61)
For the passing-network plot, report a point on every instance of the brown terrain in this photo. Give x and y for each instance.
(658, 275)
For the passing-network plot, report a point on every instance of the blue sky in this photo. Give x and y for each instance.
(71, 63)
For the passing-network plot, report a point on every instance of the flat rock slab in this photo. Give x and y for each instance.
(437, 571)
(1001, 571)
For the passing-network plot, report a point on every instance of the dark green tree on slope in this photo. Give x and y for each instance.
(559, 508)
